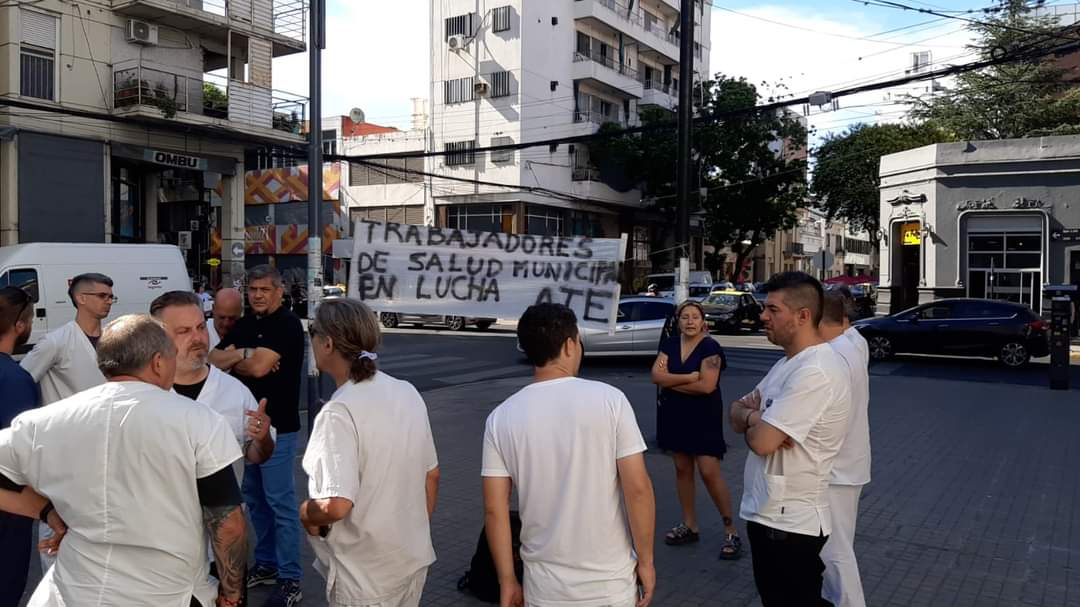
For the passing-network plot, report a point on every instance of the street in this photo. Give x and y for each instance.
(973, 499)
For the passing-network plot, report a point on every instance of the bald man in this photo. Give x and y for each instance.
(228, 307)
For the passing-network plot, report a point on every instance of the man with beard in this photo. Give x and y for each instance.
(19, 394)
(181, 314)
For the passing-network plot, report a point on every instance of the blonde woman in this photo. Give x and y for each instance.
(689, 423)
(373, 473)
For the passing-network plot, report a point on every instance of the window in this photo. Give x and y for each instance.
(544, 221)
(458, 91)
(983, 309)
(498, 156)
(937, 312)
(37, 56)
(697, 50)
(461, 153)
(127, 205)
(584, 44)
(386, 172)
(641, 243)
(627, 311)
(25, 279)
(329, 142)
(480, 218)
(500, 19)
(500, 84)
(462, 25)
(654, 311)
(652, 22)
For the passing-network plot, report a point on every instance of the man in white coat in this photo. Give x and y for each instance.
(851, 470)
(64, 362)
(140, 475)
(181, 315)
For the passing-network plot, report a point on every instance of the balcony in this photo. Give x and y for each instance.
(795, 249)
(658, 94)
(207, 100)
(608, 73)
(636, 23)
(283, 22)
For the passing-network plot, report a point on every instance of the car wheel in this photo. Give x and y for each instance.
(1014, 354)
(880, 347)
(483, 325)
(455, 323)
(389, 320)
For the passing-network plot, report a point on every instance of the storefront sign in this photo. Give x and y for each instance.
(912, 233)
(1066, 235)
(1029, 203)
(213, 262)
(976, 205)
(173, 159)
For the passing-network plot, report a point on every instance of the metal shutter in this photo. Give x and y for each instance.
(38, 29)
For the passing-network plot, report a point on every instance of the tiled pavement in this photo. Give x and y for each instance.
(974, 500)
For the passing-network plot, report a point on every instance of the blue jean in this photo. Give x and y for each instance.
(271, 499)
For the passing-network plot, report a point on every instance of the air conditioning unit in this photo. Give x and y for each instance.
(481, 88)
(141, 32)
(457, 43)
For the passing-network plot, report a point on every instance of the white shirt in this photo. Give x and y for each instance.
(559, 442)
(64, 363)
(852, 466)
(207, 301)
(215, 339)
(808, 398)
(120, 462)
(372, 445)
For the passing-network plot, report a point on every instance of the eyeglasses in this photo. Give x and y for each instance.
(109, 297)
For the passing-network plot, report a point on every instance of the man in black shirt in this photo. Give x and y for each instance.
(265, 351)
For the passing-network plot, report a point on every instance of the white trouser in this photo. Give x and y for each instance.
(409, 596)
(842, 585)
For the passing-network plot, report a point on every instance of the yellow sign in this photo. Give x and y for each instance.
(912, 233)
(213, 262)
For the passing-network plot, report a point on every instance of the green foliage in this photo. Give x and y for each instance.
(847, 168)
(214, 97)
(1026, 98)
(753, 190)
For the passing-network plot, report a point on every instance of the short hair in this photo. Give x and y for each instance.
(174, 298)
(543, 329)
(14, 304)
(90, 277)
(264, 271)
(129, 343)
(839, 304)
(354, 329)
(800, 290)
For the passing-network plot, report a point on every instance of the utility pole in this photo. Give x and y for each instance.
(315, 188)
(686, 115)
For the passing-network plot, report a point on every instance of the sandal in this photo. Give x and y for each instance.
(681, 534)
(732, 548)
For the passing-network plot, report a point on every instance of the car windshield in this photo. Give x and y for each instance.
(699, 291)
(722, 300)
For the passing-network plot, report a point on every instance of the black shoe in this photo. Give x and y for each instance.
(286, 594)
(262, 575)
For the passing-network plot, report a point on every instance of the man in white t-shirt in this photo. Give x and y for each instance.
(851, 471)
(795, 422)
(139, 475)
(227, 308)
(572, 448)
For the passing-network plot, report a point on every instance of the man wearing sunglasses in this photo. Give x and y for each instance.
(64, 362)
(19, 394)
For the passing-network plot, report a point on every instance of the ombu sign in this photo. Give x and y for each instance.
(425, 270)
(912, 233)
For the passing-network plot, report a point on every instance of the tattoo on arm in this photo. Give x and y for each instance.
(712, 362)
(227, 530)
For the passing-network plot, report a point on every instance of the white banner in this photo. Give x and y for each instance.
(414, 269)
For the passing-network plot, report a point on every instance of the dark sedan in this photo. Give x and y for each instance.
(731, 311)
(1010, 332)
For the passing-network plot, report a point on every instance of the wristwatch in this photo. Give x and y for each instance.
(248, 352)
(45, 510)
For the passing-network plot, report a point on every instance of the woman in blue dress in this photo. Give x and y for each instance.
(689, 422)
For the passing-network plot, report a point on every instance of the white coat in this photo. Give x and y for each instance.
(64, 363)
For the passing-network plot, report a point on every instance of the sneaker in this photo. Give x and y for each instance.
(262, 575)
(286, 594)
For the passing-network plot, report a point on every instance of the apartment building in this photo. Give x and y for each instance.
(127, 120)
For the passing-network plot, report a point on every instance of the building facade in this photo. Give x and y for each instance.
(127, 121)
(995, 219)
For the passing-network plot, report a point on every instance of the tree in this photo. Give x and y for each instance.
(1029, 97)
(749, 163)
(847, 168)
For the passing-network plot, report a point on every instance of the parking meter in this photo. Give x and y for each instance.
(1060, 317)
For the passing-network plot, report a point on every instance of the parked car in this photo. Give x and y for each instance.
(665, 282)
(639, 324)
(1010, 332)
(698, 292)
(731, 311)
(391, 320)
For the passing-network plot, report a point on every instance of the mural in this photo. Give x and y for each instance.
(290, 184)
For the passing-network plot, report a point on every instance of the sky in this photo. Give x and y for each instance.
(373, 63)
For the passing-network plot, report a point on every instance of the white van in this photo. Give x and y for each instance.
(140, 272)
(665, 283)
